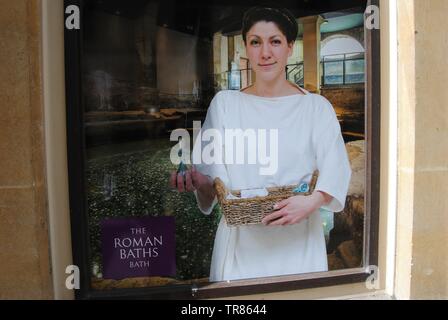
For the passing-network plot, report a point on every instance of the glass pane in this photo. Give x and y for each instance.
(334, 72)
(354, 71)
(150, 68)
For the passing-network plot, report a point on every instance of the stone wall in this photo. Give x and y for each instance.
(349, 104)
(135, 65)
(422, 214)
(346, 97)
(184, 62)
(356, 33)
(345, 247)
(120, 69)
(24, 241)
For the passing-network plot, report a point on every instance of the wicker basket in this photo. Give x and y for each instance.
(252, 210)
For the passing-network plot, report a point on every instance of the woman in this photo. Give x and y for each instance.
(291, 239)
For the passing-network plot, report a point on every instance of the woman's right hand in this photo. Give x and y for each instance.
(190, 181)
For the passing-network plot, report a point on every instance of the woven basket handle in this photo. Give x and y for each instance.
(314, 180)
(221, 190)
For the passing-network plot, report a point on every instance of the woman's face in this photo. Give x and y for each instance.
(268, 50)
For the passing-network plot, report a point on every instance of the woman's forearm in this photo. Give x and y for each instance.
(321, 198)
(206, 194)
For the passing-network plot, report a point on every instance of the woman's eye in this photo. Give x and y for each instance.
(274, 42)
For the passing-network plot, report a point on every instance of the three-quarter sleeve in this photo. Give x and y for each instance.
(331, 155)
(214, 123)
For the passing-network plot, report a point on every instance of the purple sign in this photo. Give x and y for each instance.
(138, 247)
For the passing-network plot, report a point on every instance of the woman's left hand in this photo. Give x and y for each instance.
(295, 209)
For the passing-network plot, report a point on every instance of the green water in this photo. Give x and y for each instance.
(131, 179)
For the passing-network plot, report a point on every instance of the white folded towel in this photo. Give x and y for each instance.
(250, 193)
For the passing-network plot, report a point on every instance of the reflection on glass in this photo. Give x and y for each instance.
(136, 186)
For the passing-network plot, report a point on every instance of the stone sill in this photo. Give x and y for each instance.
(376, 295)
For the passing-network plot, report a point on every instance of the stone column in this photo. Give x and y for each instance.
(217, 60)
(311, 52)
(422, 215)
(230, 51)
(145, 40)
(217, 39)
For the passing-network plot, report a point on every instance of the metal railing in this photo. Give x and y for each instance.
(237, 79)
(295, 73)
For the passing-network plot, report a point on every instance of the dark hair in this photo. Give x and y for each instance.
(283, 18)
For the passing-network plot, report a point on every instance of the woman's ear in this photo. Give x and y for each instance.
(290, 48)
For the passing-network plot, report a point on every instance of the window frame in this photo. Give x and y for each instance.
(78, 204)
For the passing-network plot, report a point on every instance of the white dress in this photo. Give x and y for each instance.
(309, 138)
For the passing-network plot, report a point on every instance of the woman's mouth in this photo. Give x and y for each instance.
(267, 66)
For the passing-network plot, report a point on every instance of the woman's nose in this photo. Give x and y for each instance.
(266, 52)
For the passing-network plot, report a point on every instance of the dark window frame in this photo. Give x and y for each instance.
(78, 203)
